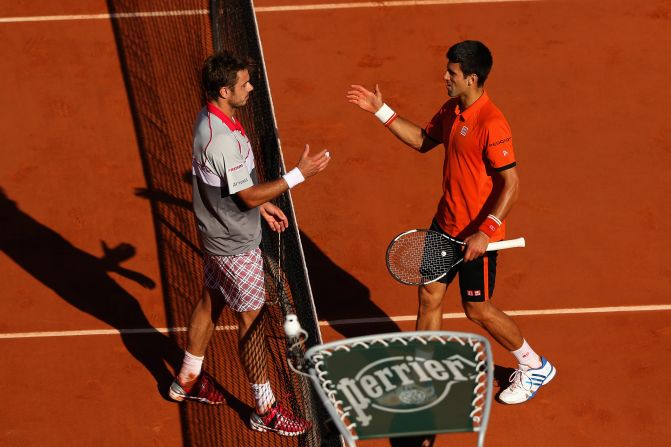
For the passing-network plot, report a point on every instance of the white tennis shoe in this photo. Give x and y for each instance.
(525, 382)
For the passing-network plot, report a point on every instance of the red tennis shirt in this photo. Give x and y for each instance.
(478, 142)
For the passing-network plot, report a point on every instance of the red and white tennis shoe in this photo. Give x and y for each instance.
(279, 420)
(205, 391)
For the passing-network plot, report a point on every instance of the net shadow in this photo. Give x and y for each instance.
(337, 292)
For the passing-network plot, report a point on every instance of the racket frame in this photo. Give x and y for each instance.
(493, 246)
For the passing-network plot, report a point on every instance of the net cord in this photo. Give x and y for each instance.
(293, 221)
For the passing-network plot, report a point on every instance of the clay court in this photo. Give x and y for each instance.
(584, 85)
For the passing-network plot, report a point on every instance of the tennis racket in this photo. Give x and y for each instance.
(424, 256)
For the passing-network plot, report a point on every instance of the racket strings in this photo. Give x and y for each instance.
(420, 257)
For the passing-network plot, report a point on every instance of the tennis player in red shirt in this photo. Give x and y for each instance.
(480, 186)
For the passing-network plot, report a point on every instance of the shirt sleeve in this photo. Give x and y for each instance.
(227, 161)
(434, 129)
(499, 150)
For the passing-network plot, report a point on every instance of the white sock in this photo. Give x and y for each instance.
(263, 396)
(526, 356)
(191, 368)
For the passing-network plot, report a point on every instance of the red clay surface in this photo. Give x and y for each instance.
(583, 85)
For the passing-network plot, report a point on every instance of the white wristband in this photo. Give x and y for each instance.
(293, 177)
(385, 114)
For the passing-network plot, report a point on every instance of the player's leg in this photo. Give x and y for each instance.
(203, 320)
(476, 282)
(429, 318)
(430, 306)
(254, 356)
(430, 303)
(430, 298)
(192, 383)
(532, 372)
(499, 325)
(246, 296)
(269, 414)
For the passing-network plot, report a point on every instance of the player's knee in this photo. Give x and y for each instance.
(430, 301)
(475, 312)
(248, 320)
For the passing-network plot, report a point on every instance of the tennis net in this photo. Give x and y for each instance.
(234, 28)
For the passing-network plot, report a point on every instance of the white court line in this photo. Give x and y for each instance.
(106, 16)
(260, 9)
(512, 313)
(381, 4)
(351, 321)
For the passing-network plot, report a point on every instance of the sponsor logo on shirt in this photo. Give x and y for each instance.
(235, 168)
(464, 130)
(501, 141)
(240, 182)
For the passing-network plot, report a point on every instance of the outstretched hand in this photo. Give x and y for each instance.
(310, 166)
(364, 98)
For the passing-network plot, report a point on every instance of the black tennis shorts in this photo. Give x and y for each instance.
(476, 277)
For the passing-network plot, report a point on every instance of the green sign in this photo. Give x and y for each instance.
(406, 385)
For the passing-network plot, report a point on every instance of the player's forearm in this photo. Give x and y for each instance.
(261, 193)
(503, 203)
(506, 200)
(408, 132)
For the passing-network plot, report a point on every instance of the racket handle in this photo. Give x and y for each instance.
(511, 243)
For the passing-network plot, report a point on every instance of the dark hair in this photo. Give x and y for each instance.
(473, 57)
(221, 70)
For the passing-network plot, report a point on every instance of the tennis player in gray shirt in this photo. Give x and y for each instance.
(228, 203)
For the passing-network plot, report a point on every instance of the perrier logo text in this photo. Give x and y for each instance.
(403, 384)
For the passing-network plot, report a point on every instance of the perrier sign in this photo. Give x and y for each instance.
(405, 389)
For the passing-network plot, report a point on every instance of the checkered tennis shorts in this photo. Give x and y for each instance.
(239, 278)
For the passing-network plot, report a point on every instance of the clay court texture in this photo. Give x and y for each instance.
(584, 85)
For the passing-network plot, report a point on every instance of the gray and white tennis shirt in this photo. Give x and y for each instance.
(223, 164)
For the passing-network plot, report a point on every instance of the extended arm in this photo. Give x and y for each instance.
(113, 256)
(406, 131)
(261, 193)
(476, 244)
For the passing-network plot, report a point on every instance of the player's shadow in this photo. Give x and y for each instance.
(501, 378)
(339, 296)
(83, 280)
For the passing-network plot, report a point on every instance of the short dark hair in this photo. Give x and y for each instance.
(221, 70)
(473, 57)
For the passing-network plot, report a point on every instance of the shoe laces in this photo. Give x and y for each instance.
(517, 380)
(281, 418)
(208, 390)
